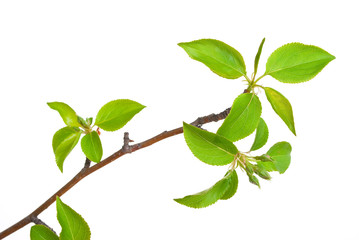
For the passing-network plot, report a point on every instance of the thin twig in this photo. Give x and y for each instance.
(124, 150)
(87, 163)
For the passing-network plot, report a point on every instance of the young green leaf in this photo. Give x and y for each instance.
(208, 147)
(297, 62)
(82, 122)
(92, 147)
(221, 58)
(115, 114)
(243, 118)
(73, 225)
(281, 106)
(256, 60)
(261, 135)
(66, 112)
(63, 142)
(280, 153)
(233, 184)
(40, 232)
(209, 196)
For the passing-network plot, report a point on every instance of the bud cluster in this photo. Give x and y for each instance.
(251, 167)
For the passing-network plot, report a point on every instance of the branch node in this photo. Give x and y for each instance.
(36, 220)
(126, 148)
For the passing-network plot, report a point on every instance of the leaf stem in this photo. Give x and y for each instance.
(259, 78)
(247, 78)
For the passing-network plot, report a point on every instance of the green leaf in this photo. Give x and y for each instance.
(92, 147)
(243, 118)
(297, 62)
(63, 142)
(209, 196)
(40, 232)
(281, 106)
(73, 225)
(209, 147)
(66, 112)
(261, 135)
(115, 114)
(256, 60)
(280, 153)
(221, 58)
(233, 184)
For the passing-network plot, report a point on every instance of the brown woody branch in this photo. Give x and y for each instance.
(87, 170)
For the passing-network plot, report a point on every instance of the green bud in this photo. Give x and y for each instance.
(261, 172)
(253, 179)
(249, 168)
(82, 121)
(89, 121)
(264, 158)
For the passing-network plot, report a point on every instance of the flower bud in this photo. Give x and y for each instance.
(264, 158)
(253, 179)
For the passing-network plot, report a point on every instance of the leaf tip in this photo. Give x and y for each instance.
(181, 44)
(293, 131)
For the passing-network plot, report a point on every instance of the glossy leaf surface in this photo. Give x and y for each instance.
(280, 153)
(209, 196)
(92, 147)
(243, 118)
(63, 142)
(66, 112)
(40, 232)
(281, 106)
(297, 62)
(73, 225)
(115, 114)
(209, 147)
(261, 135)
(221, 58)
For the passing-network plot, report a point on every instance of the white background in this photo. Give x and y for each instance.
(86, 53)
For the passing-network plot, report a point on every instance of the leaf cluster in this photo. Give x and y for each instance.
(291, 63)
(111, 117)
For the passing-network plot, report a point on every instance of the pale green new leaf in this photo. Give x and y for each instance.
(66, 112)
(40, 232)
(281, 106)
(221, 58)
(233, 184)
(73, 225)
(261, 135)
(92, 147)
(297, 62)
(243, 118)
(209, 196)
(256, 60)
(280, 153)
(115, 114)
(209, 147)
(63, 142)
